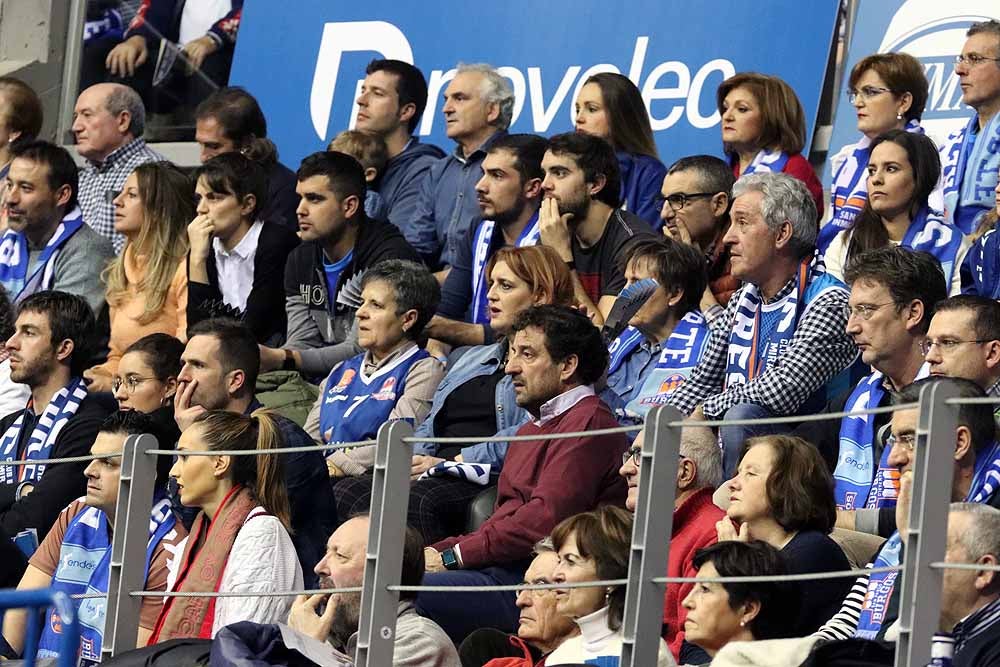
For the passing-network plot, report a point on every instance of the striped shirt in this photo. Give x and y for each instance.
(100, 183)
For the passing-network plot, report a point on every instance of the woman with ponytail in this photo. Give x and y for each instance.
(240, 539)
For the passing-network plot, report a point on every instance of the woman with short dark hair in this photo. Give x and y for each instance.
(594, 546)
(782, 494)
(720, 613)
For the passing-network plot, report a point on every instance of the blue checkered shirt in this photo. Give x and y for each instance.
(97, 180)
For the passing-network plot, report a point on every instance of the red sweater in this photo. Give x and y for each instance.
(694, 528)
(800, 168)
(545, 481)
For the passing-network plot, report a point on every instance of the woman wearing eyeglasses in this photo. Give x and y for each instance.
(764, 129)
(903, 171)
(609, 106)
(147, 286)
(888, 92)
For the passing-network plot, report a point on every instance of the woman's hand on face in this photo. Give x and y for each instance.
(200, 235)
(422, 464)
(727, 531)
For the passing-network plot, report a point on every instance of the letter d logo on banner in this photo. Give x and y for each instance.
(378, 36)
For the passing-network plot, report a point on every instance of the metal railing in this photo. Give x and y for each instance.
(921, 572)
(69, 638)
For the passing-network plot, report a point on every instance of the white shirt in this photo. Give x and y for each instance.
(559, 404)
(235, 267)
(199, 16)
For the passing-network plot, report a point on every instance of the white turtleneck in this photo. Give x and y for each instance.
(596, 640)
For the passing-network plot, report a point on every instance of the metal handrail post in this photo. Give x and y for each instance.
(920, 598)
(651, 533)
(128, 546)
(386, 537)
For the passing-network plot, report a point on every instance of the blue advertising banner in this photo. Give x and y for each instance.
(305, 60)
(931, 31)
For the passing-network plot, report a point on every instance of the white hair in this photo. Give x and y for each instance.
(496, 90)
(786, 199)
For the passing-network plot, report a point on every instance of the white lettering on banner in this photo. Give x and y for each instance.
(349, 36)
(670, 80)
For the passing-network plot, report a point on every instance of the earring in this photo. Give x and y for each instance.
(743, 624)
(899, 116)
(607, 598)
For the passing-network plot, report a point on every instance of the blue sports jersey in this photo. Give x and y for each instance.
(355, 405)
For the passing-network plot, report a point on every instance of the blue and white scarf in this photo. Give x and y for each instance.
(476, 473)
(58, 412)
(970, 160)
(749, 354)
(15, 255)
(680, 355)
(84, 567)
(482, 241)
(932, 233)
(622, 347)
(767, 162)
(856, 486)
(850, 188)
(985, 481)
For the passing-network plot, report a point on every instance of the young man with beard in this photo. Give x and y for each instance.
(581, 218)
(509, 194)
(390, 106)
(419, 641)
(48, 352)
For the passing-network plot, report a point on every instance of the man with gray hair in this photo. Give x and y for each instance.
(108, 123)
(782, 339)
(699, 474)
(970, 599)
(478, 107)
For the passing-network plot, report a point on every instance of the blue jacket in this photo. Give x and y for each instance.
(465, 364)
(402, 179)
(448, 206)
(642, 178)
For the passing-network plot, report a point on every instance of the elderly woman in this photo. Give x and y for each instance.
(764, 129)
(392, 379)
(594, 546)
(783, 495)
(903, 170)
(888, 92)
(609, 106)
(718, 614)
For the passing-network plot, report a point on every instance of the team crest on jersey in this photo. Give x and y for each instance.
(387, 392)
(55, 623)
(667, 387)
(345, 381)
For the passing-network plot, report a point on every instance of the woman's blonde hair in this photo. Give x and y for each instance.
(263, 474)
(167, 208)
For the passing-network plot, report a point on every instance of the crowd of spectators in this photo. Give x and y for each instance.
(548, 288)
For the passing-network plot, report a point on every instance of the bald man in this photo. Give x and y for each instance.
(108, 123)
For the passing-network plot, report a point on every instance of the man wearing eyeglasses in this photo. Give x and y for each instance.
(872, 606)
(694, 204)
(699, 474)
(971, 156)
(964, 341)
(893, 292)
